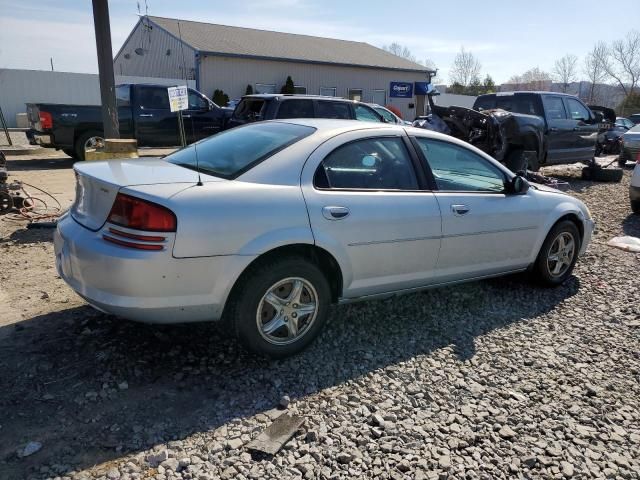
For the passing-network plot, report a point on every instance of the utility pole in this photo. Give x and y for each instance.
(105, 68)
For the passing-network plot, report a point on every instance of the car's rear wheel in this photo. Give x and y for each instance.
(280, 306)
(86, 141)
(558, 254)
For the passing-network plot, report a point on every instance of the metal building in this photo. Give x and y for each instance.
(230, 58)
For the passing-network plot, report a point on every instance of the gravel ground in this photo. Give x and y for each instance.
(492, 379)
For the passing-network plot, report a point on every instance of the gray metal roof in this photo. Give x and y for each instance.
(249, 42)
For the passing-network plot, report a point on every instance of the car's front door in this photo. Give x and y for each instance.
(484, 229)
(584, 130)
(368, 206)
(199, 119)
(559, 132)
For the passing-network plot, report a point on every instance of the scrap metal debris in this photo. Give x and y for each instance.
(277, 434)
(626, 243)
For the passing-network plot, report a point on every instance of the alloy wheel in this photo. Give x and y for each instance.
(561, 254)
(287, 311)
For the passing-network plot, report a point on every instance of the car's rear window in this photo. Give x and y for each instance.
(233, 152)
(249, 109)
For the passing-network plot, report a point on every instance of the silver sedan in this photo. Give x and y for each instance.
(268, 224)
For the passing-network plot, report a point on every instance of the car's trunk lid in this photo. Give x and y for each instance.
(98, 183)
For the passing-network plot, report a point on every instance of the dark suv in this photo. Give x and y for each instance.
(253, 108)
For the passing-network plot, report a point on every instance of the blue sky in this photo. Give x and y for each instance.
(508, 37)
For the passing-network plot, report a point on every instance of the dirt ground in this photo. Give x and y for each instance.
(99, 393)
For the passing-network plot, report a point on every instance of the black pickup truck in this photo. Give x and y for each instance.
(143, 112)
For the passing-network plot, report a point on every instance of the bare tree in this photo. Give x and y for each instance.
(565, 70)
(465, 69)
(623, 62)
(400, 51)
(532, 79)
(594, 68)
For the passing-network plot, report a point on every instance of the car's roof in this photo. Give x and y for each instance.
(268, 96)
(521, 92)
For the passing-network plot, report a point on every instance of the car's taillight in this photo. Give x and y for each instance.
(638, 158)
(135, 213)
(46, 121)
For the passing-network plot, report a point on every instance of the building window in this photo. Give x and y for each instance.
(355, 94)
(265, 88)
(329, 91)
(299, 90)
(380, 97)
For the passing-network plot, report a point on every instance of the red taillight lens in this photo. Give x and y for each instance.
(46, 121)
(138, 214)
(638, 158)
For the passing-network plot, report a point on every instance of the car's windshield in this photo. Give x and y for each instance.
(233, 152)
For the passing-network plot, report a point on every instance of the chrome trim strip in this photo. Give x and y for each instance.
(436, 237)
(404, 291)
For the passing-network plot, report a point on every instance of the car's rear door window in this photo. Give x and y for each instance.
(381, 163)
(485, 103)
(554, 107)
(331, 109)
(233, 152)
(249, 109)
(296, 109)
(458, 169)
(153, 98)
(366, 113)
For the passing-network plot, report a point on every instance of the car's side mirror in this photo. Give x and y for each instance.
(518, 185)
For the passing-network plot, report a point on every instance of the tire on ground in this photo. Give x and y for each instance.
(635, 206)
(254, 284)
(541, 272)
(598, 174)
(81, 140)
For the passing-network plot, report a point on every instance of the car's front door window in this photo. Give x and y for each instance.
(381, 163)
(458, 169)
(367, 114)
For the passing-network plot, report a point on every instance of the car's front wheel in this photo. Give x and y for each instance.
(280, 306)
(558, 254)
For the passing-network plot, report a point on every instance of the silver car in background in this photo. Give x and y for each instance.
(269, 223)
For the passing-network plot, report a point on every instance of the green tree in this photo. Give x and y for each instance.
(249, 90)
(474, 88)
(288, 86)
(220, 98)
(630, 105)
(488, 85)
(456, 88)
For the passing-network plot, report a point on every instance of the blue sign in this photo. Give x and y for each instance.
(422, 88)
(401, 90)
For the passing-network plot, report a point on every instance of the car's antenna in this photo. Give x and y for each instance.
(184, 75)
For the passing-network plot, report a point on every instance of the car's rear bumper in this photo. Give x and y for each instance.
(38, 138)
(146, 286)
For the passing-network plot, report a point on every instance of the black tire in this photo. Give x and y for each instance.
(82, 139)
(635, 206)
(516, 161)
(599, 174)
(541, 269)
(6, 202)
(622, 162)
(255, 284)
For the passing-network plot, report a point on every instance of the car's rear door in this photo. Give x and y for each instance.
(584, 130)
(484, 229)
(156, 125)
(369, 206)
(559, 132)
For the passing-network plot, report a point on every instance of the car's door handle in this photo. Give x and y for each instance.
(460, 209)
(146, 115)
(575, 129)
(553, 129)
(335, 213)
(186, 116)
